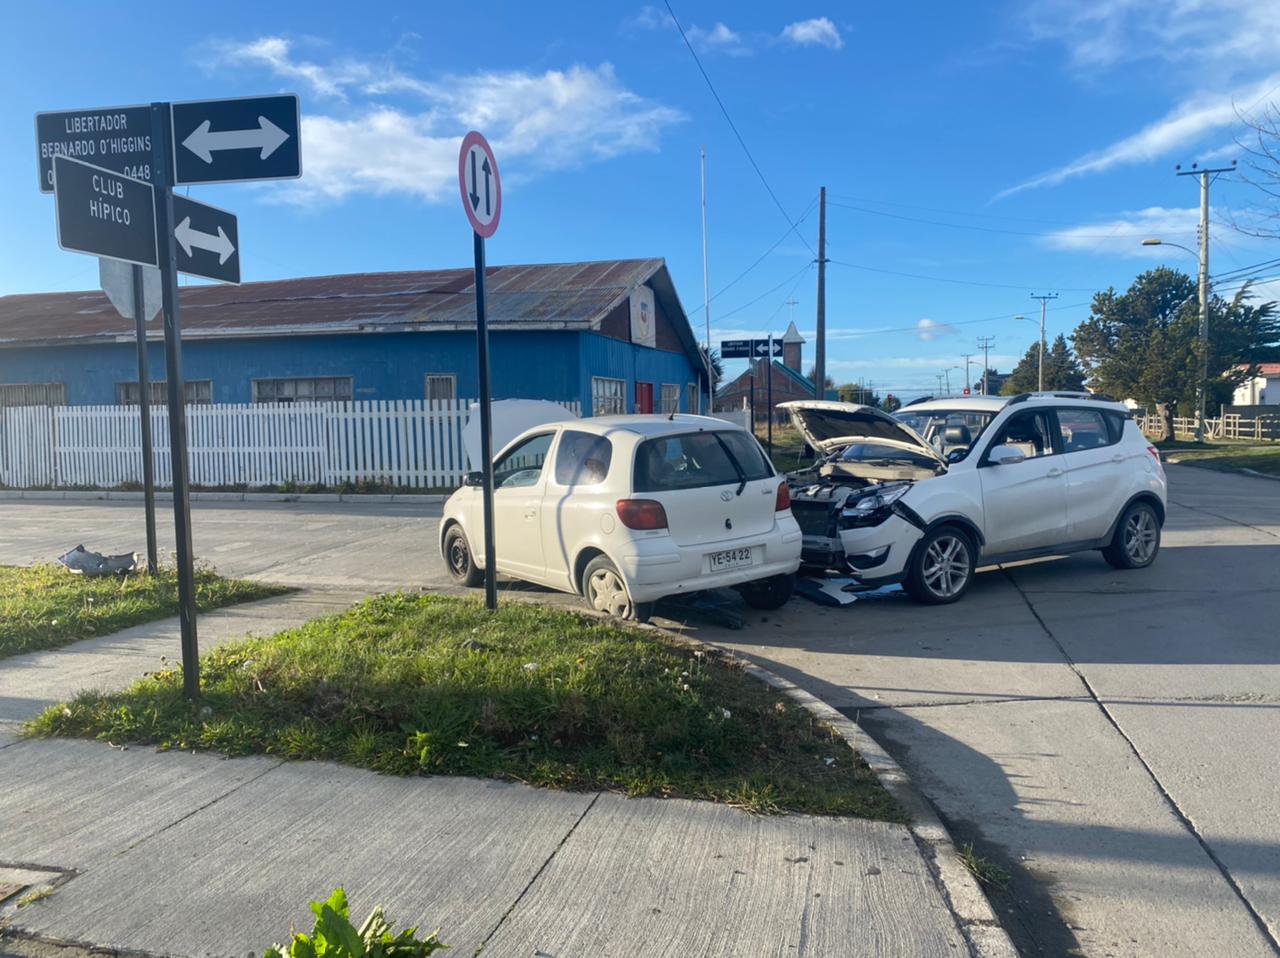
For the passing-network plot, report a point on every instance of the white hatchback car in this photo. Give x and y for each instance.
(625, 510)
(920, 497)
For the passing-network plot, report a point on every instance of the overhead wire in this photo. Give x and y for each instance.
(993, 229)
(733, 126)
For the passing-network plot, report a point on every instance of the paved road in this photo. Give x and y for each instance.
(1109, 738)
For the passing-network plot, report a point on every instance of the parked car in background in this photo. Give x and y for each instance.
(921, 497)
(625, 510)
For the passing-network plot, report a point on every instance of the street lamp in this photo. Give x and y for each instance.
(1202, 387)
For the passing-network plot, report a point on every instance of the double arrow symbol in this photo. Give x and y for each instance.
(474, 196)
(188, 238)
(267, 138)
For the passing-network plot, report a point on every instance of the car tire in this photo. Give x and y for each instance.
(605, 590)
(768, 594)
(1137, 538)
(459, 560)
(941, 567)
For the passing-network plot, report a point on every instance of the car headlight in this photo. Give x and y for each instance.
(871, 509)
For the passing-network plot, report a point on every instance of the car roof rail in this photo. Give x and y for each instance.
(1063, 394)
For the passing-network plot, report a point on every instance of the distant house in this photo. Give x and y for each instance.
(751, 388)
(1262, 390)
(611, 335)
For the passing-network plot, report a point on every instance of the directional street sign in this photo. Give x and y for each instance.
(208, 240)
(116, 280)
(748, 348)
(103, 213)
(115, 137)
(481, 187)
(228, 141)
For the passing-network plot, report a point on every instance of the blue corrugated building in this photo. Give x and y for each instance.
(611, 335)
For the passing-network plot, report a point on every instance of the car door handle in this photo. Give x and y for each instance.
(1054, 473)
(531, 513)
(1117, 458)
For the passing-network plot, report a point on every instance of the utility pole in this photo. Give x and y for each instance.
(939, 377)
(1203, 387)
(1044, 304)
(967, 358)
(820, 351)
(984, 343)
(706, 290)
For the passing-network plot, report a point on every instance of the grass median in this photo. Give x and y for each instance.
(436, 685)
(45, 606)
(1226, 456)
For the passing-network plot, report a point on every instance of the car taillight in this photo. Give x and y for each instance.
(783, 502)
(1155, 454)
(642, 514)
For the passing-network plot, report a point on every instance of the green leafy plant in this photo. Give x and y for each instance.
(335, 937)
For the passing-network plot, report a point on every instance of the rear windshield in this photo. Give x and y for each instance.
(695, 459)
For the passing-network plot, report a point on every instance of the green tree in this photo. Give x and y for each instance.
(1062, 370)
(1144, 344)
(813, 375)
(855, 393)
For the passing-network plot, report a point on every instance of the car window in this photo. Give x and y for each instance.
(523, 464)
(1029, 433)
(966, 426)
(583, 458)
(690, 460)
(1083, 429)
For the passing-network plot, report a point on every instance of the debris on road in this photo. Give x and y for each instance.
(83, 562)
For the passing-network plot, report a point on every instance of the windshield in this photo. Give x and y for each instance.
(952, 432)
(712, 458)
(873, 452)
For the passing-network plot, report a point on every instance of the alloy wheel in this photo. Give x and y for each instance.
(1140, 537)
(608, 594)
(946, 566)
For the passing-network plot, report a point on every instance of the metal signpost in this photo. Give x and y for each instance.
(137, 219)
(135, 292)
(754, 349)
(481, 189)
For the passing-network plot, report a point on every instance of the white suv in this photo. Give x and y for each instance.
(625, 510)
(921, 497)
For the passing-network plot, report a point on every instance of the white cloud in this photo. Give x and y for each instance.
(719, 38)
(1180, 131)
(922, 363)
(819, 31)
(1124, 234)
(556, 120)
(930, 329)
(1109, 33)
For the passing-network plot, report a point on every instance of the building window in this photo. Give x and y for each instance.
(670, 397)
(32, 394)
(694, 397)
(608, 396)
(310, 389)
(196, 392)
(442, 386)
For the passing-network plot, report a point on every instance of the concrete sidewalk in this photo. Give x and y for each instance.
(192, 854)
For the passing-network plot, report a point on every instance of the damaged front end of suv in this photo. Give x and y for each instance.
(868, 463)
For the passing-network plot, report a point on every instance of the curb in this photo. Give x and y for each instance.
(973, 912)
(76, 495)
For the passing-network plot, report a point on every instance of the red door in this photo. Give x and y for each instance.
(644, 397)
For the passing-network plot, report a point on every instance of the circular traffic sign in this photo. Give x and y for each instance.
(480, 184)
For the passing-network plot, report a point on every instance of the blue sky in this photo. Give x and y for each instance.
(1028, 146)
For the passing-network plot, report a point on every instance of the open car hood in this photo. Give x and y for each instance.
(827, 426)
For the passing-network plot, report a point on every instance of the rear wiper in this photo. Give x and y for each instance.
(733, 461)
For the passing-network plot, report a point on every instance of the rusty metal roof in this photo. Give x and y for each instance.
(545, 296)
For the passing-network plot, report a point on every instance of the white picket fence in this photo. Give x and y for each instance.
(411, 443)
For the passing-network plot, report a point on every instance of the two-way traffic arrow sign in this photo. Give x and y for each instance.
(229, 141)
(480, 184)
(208, 240)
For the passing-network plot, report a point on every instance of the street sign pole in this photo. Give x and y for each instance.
(162, 172)
(144, 406)
(486, 432)
(769, 396)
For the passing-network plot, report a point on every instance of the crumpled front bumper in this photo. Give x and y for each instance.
(876, 554)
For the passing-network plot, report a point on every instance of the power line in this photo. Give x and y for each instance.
(933, 209)
(1006, 232)
(741, 142)
(960, 322)
(803, 269)
(803, 216)
(960, 282)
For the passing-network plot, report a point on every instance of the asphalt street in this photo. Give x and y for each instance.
(1107, 738)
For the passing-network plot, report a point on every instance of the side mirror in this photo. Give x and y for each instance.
(475, 479)
(1005, 456)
